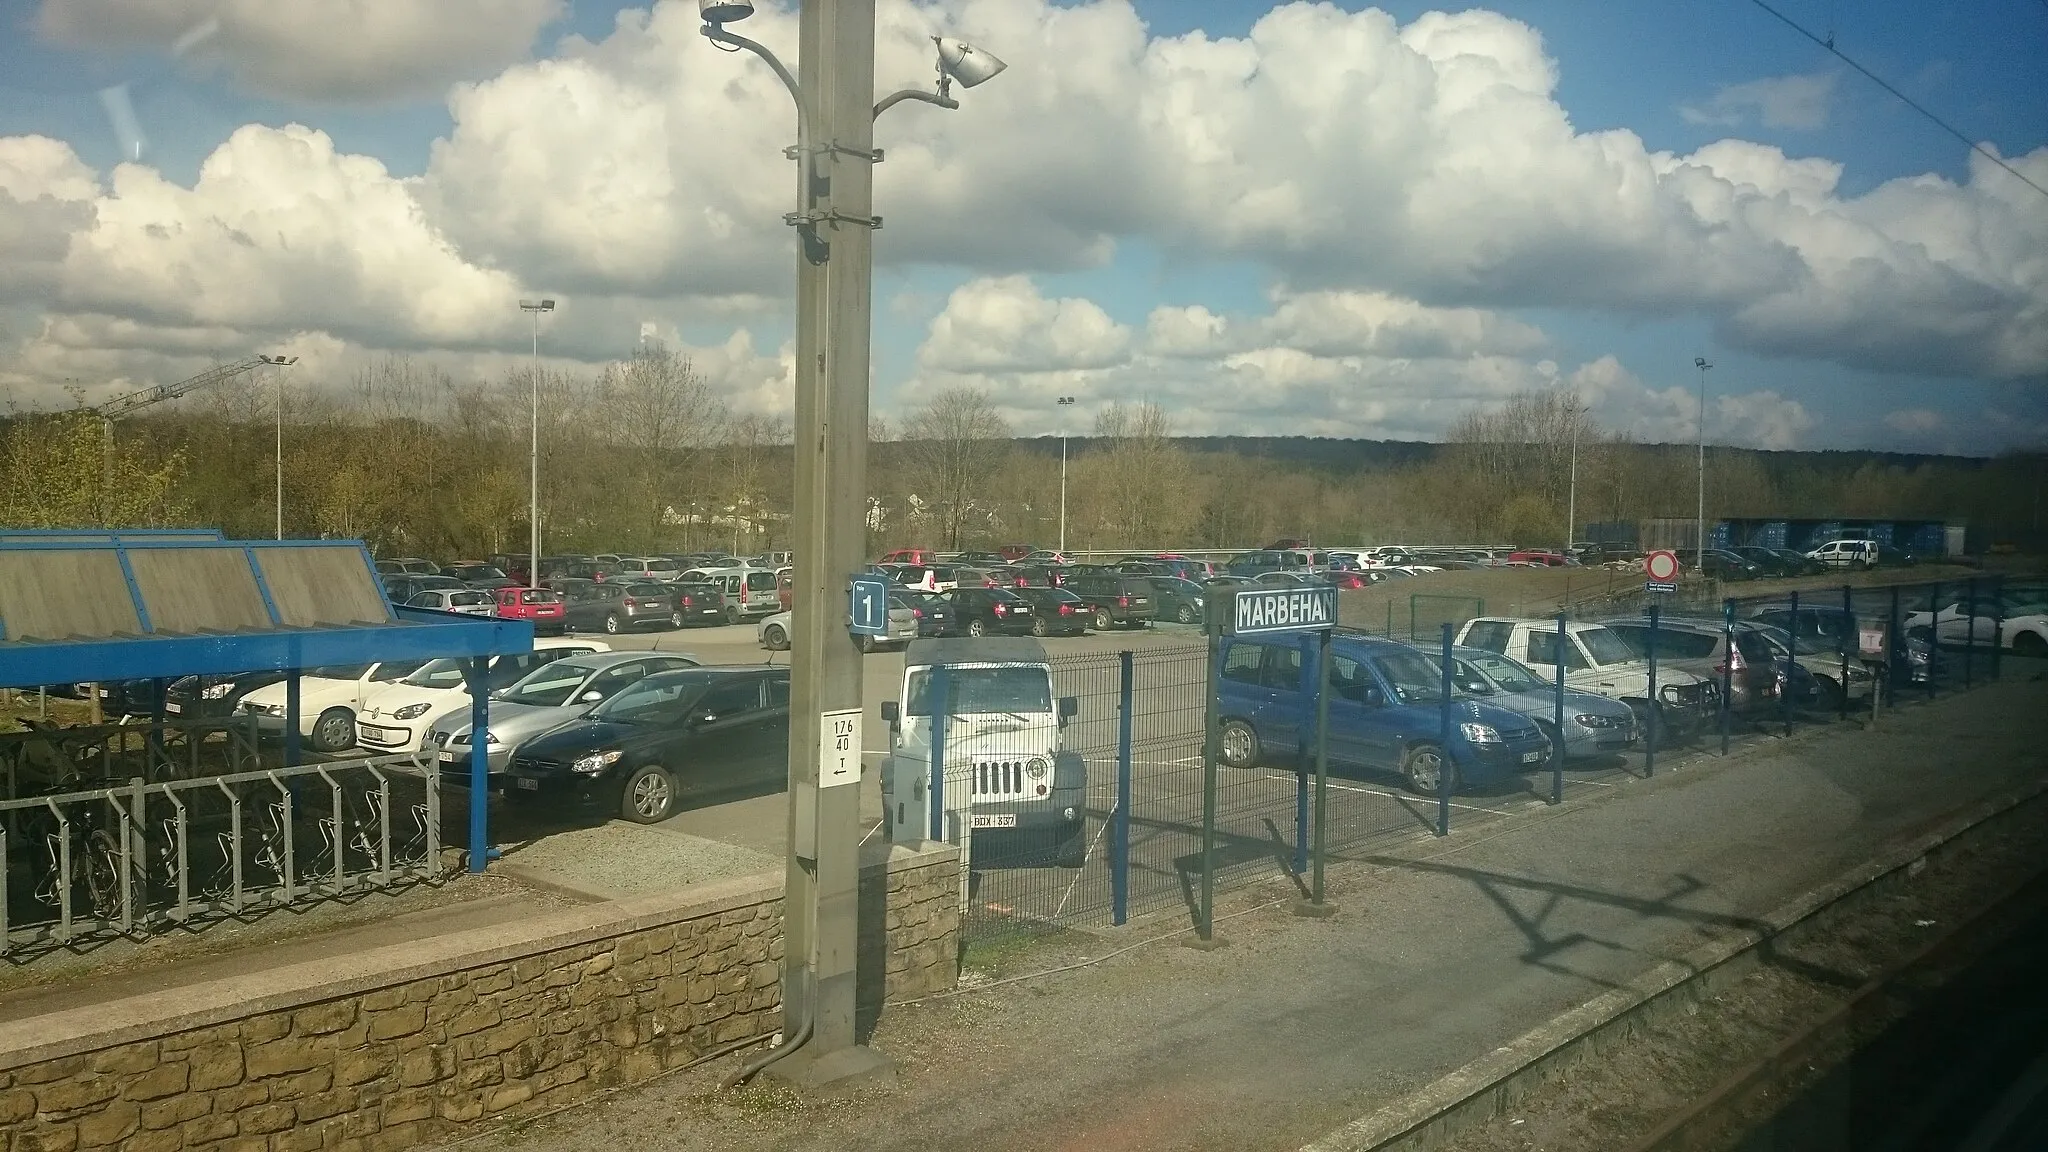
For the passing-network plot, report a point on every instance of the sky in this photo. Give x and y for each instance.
(1311, 219)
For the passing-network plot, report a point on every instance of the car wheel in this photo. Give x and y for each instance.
(1039, 627)
(334, 730)
(1827, 694)
(675, 619)
(649, 796)
(733, 615)
(1239, 744)
(2029, 644)
(1073, 851)
(1426, 769)
(774, 638)
(976, 628)
(1102, 621)
(1861, 565)
(611, 625)
(1186, 614)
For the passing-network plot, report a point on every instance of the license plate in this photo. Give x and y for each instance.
(173, 708)
(526, 784)
(1008, 820)
(375, 730)
(451, 757)
(1531, 757)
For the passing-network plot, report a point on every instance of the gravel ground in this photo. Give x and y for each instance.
(1618, 1096)
(1442, 950)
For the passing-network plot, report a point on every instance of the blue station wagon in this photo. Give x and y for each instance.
(1385, 714)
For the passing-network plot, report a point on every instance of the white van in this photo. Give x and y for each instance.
(1858, 554)
(1013, 792)
(749, 592)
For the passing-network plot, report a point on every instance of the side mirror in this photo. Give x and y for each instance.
(591, 697)
(1070, 707)
(889, 713)
(1369, 695)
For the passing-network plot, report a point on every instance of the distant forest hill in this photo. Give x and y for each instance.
(1344, 455)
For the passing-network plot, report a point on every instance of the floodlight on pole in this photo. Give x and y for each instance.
(533, 309)
(835, 223)
(280, 363)
(1700, 513)
(1064, 402)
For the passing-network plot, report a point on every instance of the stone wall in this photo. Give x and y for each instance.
(391, 1047)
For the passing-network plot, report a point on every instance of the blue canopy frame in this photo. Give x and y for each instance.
(380, 632)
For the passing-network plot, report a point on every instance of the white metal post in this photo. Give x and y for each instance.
(533, 309)
(1700, 514)
(281, 363)
(1064, 402)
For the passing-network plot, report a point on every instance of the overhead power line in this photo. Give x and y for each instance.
(1829, 44)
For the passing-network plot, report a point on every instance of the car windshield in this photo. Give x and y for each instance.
(465, 599)
(1806, 646)
(1509, 674)
(442, 673)
(656, 702)
(548, 686)
(1415, 680)
(1604, 646)
(480, 572)
(1014, 690)
(536, 596)
(648, 591)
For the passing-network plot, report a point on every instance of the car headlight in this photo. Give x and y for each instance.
(492, 738)
(411, 711)
(217, 691)
(596, 762)
(1036, 768)
(1479, 733)
(1589, 720)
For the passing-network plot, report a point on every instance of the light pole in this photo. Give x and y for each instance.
(280, 363)
(533, 309)
(835, 224)
(1064, 402)
(1700, 514)
(1571, 503)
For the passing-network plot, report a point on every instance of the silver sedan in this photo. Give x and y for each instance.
(1593, 725)
(549, 697)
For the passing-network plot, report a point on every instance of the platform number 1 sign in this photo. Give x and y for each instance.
(839, 748)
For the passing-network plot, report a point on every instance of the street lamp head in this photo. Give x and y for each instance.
(1066, 400)
(1700, 362)
(537, 305)
(964, 62)
(279, 361)
(724, 11)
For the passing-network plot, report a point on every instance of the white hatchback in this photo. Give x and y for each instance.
(329, 699)
(397, 717)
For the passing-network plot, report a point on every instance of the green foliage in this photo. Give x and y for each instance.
(72, 470)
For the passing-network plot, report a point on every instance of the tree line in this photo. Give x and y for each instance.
(644, 456)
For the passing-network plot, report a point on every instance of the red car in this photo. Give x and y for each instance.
(1546, 559)
(909, 556)
(539, 605)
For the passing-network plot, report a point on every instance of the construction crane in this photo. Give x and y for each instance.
(134, 402)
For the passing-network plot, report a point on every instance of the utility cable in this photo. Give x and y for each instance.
(1880, 81)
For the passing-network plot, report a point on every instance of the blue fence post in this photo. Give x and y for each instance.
(478, 676)
(1120, 823)
(1849, 635)
(1656, 720)
(1933, 636)
(1727, 665)
(1785, 682)
(1970, 632)
(1449, 766)
(1997, 627)
(939, 686)
(1557, 767)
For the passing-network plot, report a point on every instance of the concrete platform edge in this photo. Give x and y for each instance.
(1476, 1092)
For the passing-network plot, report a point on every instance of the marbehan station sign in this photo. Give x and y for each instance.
(1261, 610)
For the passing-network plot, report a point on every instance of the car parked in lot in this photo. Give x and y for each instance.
(1057, 612)
(198, 697)
(397, 716)
(478, 574)
(614, 607)
(1720, 564)
(681, 735)
(403, 587)
(407, 566)
(990, 612)
(543, 700)
(1593, 725)
(1598, 661)
(750, 593)
(540, 605)
(1044, 556)
(1176, 599)
(1385, 715)
(1119, 600)
(774, 632)
(1754, 675)
(329, 699)
(1860, 555)
(2018, 620)
(465, 601)
(908, 556)
(933, 612)
(1779, 561)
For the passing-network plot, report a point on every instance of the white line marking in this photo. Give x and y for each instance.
(1398, 796)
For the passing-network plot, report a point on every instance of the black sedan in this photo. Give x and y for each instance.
(1057, 612)
(1778, 561)
(991, 612)
(1176, 599)
(934, 612)
(664, 741)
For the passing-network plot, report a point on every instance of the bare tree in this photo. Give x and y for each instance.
(1134, 481)
(659, 413)
(952, 451)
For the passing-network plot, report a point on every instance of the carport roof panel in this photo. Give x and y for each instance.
(81, 609)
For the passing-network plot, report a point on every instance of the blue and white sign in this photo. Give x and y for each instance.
(867, 608)
(1256, 611)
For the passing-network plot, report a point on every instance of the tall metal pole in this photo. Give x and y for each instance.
(1064, 402)
(533, 309)
(1700, 522)
(280, 452)
(1571, 504)
(835, 195)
